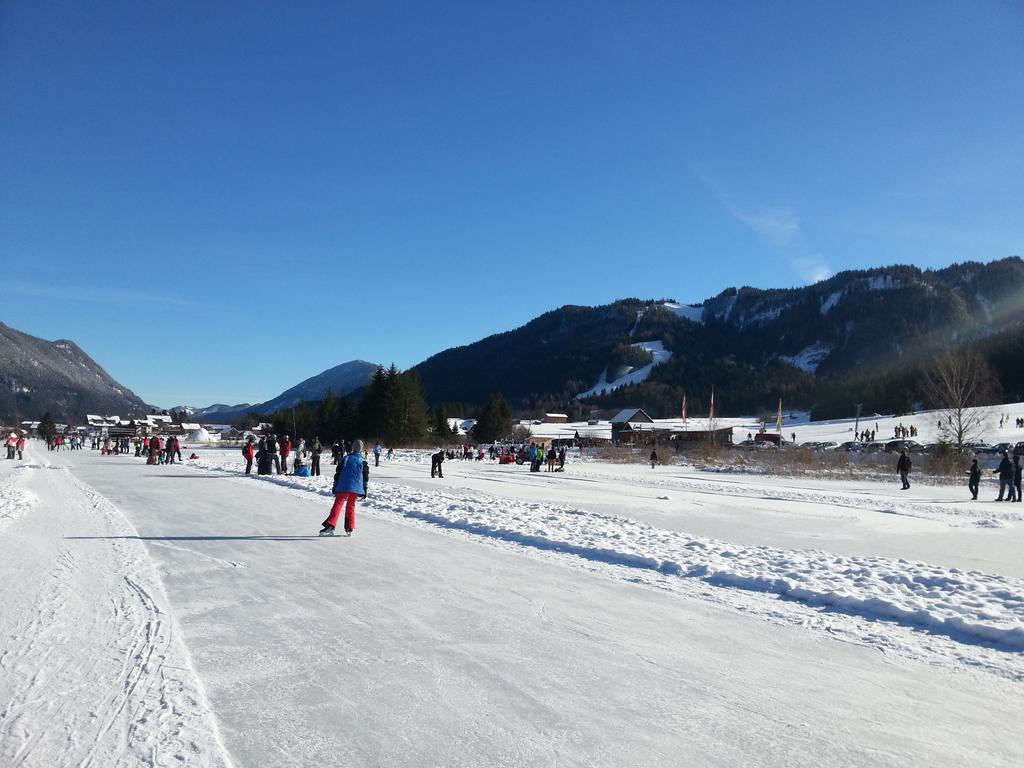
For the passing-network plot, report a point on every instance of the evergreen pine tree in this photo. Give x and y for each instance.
(495, 422)
(47, 429)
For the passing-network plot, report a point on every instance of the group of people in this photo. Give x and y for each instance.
(59, 442)
(538, 456)
(15, 445)
(1004, 419)
(1009, 473)
(272, 456)
(900, 432)
(159, 450)
(1009, 478)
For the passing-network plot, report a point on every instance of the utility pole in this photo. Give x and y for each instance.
(856, 423)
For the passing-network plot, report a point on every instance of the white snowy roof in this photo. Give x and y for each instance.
(631, 415)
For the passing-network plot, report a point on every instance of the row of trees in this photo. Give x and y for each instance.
(392, 409)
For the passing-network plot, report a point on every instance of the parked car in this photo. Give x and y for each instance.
(852, 446)
(997, 449)
(911, 446)
(1018, 449)
(874, 447)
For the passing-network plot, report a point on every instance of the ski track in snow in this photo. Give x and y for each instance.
(92, 672)
(911, 609)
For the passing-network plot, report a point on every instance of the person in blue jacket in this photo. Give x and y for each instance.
(351, 479)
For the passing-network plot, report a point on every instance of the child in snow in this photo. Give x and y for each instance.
(350, 481)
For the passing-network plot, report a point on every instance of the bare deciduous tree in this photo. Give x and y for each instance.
(958, 385)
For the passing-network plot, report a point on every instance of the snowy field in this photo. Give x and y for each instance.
(611, 615)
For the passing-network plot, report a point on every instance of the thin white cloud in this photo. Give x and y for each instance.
(118, 295)
(779, 227)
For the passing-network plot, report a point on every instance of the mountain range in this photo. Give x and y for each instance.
(858, 336)
(342, 379)
(39, 376)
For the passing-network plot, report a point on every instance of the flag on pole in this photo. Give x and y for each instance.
(778, 421)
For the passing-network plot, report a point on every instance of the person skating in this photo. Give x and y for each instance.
(314, 457)
(1005, 472)
(436, 460)
(351, 480)
(249, 452)
(21, 455)
(903, 468)
(654, 458)
(974, 479)
(376, 454)
(561, 457)
(286, 449)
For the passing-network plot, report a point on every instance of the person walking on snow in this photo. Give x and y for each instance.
(903, 468)
(314, 457)
(249, 452)
(286, 449)
(654, 458)
(351, 480)
(376, 454)
(1016, 472)
(272, 453)
(974, 480)
(1005, 472)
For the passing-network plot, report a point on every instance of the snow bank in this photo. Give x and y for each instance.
(201, 436)
(966, 606)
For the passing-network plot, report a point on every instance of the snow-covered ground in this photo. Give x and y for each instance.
(608, 615)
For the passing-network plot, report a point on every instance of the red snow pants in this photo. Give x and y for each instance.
(348, 501)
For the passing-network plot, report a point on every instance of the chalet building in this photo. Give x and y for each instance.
(632, 425)
(556, 418)
(684, 438)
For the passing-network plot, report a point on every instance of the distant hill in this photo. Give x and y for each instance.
(341, 380)
(37, 376)
(811, 345)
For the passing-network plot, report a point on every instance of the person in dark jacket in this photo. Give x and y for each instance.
(1016, 476)
(1005, 472)
(314, 457)
(903, 469)
(351, 479)
(654, 458)
(272, 453)
(974, 479)
(435, 463)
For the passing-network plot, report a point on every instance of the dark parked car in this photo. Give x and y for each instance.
(910, 446)
(997, 449)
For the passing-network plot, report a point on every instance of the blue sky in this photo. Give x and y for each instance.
(217, 200)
